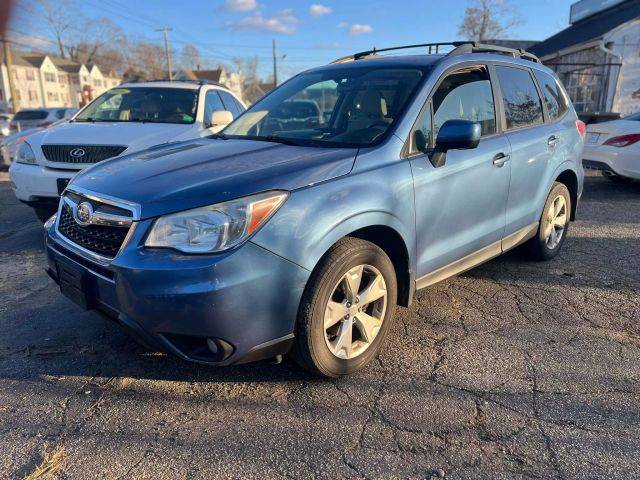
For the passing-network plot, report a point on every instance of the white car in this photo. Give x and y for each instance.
(614, 147)
(123, 120)
(29, 118)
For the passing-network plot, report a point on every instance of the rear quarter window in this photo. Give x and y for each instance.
(522, 104)
(553, 96)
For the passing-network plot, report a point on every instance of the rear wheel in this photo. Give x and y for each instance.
(347, 309)
(554, 224)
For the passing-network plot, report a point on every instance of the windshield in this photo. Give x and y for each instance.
(140, 104)
(350, 107)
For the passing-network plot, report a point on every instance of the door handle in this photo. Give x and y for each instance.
(552, 141)
(500, 159)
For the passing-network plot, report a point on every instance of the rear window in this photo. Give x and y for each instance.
(30, 115)
(553, 97)
(522, 104)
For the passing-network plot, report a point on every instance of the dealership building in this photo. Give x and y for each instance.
(598, 56)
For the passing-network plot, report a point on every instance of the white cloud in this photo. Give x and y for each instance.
(343, 25)
(359, 29)
(318, 10)
(284, 21)
(241, 5)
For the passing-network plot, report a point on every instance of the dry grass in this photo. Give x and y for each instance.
(52, 460)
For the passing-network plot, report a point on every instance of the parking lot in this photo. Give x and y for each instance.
(513, 370)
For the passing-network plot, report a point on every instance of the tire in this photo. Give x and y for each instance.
(541, 247)
(312, 348)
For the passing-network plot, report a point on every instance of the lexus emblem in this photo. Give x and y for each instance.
(84, 212)
(77, 152)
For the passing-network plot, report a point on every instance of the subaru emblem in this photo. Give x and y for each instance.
(84, 212)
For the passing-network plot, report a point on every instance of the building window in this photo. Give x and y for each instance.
(33, 96)
(49, 77)
(30, 75)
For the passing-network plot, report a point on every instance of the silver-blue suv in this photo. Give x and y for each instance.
(302, 225)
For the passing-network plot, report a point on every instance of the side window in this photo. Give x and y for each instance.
(465, 95)
(553, 96)
(212, 103)
(422, 135)
(229, 103)
(522, 104)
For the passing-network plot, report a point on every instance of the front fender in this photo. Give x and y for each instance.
(314, 218)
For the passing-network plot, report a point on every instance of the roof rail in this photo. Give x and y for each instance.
(188, 80)
(433, 48)
(475, 47)
(460, 48)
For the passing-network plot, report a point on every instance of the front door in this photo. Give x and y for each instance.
(459, 207)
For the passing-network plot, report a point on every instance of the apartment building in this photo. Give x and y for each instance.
(42, 80)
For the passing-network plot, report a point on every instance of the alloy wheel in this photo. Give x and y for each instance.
(555, 222)
(355, 311)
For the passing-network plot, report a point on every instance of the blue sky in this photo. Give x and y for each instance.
(223, 29)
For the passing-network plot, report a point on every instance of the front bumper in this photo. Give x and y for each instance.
(35, 182)
(247, 299)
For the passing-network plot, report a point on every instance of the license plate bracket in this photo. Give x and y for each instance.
(73, 284)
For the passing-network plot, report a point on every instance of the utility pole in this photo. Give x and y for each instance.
(165, 31)
(9, 63)
(275, 65)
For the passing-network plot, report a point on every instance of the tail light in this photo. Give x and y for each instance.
(623, 140)
(582, 128)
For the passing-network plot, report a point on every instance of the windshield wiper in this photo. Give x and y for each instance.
(88, 119)
(284, 141)
(219, 135)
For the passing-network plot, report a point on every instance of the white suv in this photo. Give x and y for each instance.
(123, 120)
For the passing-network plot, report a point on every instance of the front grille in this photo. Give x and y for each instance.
(103, 240)
(74, 153)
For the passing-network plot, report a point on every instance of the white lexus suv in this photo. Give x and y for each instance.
(123, 120)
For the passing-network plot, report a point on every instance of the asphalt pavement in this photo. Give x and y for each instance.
(516, 369)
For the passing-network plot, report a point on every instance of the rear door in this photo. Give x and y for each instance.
(533, 144)
(459, 207)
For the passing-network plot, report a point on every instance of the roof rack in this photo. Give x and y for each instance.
(460, 48)
(188, 80)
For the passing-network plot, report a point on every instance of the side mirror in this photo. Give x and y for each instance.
(455, 135)
(220, 118)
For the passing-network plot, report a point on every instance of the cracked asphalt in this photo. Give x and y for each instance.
(515, 369)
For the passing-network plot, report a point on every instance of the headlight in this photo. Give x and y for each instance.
(217, 227)
(25, 154)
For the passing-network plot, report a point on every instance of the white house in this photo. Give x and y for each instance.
(42, 80)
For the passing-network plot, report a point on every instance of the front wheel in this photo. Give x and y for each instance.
(554, 224)
(347, 309)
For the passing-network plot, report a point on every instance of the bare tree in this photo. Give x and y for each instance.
(145, 61)
(190, 57)
(61, 17)
(100, 36)
(487, 19)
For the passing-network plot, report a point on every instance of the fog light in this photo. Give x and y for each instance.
(47, 225)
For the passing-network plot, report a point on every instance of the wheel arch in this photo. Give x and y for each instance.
(570, 180)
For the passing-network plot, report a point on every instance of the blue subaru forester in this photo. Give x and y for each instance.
(302, 225)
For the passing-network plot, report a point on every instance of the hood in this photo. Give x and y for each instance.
(202, 172)
(136, 136)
